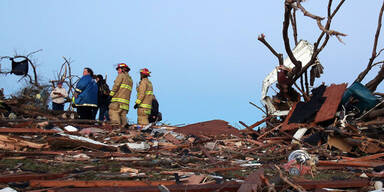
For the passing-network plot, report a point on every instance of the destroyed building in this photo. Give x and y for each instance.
(331, 139)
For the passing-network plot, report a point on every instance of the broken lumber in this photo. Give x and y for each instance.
(351, 163)
(98, 183)
(28, 177)
(12, 143)
(225, 187)
(333, 184)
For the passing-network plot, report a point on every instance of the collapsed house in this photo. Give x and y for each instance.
(332, 141)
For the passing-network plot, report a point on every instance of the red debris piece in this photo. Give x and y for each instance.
(333, 184)
(334, 94)
(27, 177)
(253, 182)
(209, 128)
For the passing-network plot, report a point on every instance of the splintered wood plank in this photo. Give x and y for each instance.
(253, 181)
(194, 179)
(225, 187)
(67, 143)
(26, 130)
(351, 163)
(98, 183)
(333, 184)
(333, 94)
(27, 177)
(13, 143)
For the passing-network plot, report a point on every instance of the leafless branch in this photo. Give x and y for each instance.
(319, 19)
(317, 50)
(35, 81)
(298, 65)
(34, 71)
(378, 54)
(261, 109)
(29, 54)
(305, 96)
(306, 13)
(294, 26)
(378, 63)
(329, 8)
(372, 85)
(374, 49)
(301, 83)
(306, 82)
(279, 56)
(327, 26)
(67, 75)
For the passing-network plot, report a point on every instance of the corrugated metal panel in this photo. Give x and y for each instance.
(334, 93)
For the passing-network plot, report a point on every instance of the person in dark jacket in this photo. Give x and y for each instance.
(103, 98)
(85, 96)
(155, 115)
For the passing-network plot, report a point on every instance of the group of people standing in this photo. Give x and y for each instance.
(93, 94)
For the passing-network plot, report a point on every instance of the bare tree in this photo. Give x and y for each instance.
(372, 85)
(34, 80)
(300, 69)
(65, 76)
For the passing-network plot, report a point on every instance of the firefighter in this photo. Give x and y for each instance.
(144, 98)
(120, 95)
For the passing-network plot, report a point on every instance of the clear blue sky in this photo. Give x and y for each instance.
(204, 56)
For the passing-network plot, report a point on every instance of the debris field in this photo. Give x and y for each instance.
(318, 146)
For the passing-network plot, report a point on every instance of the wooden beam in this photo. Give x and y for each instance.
(27, 177)
(26, 130)
(351, 163)
(96, 183)
(227, 187)
(333, 184)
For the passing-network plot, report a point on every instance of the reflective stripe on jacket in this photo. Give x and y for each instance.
(121, 90)
(144, 94)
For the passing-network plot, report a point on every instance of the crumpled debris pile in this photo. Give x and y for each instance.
(331, 142)
(30, 102)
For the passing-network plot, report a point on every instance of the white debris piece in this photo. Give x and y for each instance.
(70, 128)
(299, 134)
(7, 189)
(138, 146)
(80, 138)
(303, 52)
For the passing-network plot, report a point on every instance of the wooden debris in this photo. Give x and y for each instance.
(100, 183)
(28, 177)
(12, 143)
(253, 182)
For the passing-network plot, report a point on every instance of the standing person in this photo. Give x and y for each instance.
(121, 94)
(155, 115)
(58, 96)
(85, 96)
(144, 98)
(102, 98)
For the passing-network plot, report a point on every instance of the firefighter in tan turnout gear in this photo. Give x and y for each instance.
(120, 93)
(144, 98)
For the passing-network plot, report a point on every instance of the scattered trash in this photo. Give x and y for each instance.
(70, 128)
(332, 136)
(142, 146)
(127, 169)
(7, 189)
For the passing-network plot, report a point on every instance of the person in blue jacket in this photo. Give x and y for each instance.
(86, 95)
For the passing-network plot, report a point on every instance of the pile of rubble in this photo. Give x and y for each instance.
(318, 146)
